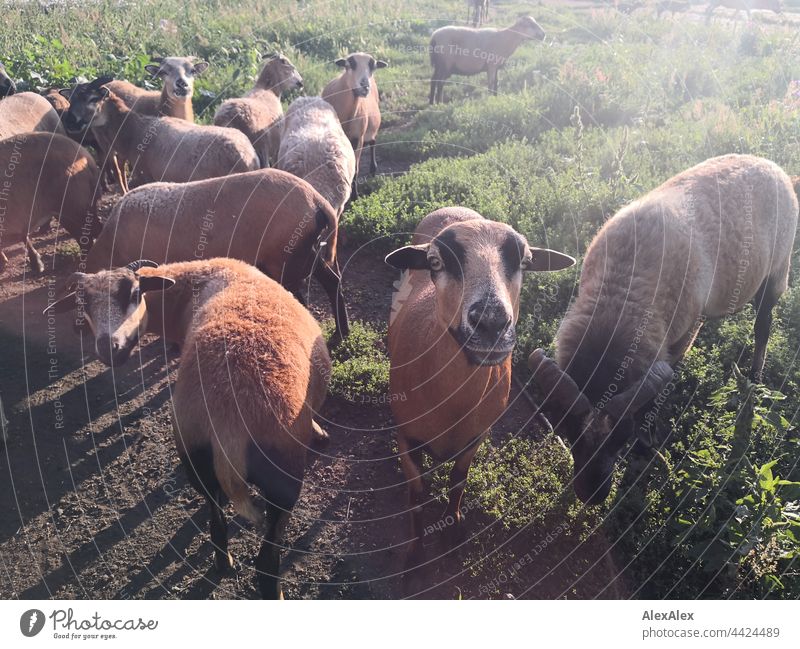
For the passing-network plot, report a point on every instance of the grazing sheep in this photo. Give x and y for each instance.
(672, 6)
(701, 245)
(253, 371)
(157, 148)
(477, 11)
(45, 175)
(7, 86)
(268, 218)
(259, 113)
(450, 343)
(354, 97)
(314, 147)
(743, 5)
(175, 97)
(25, 112)
(468, 51)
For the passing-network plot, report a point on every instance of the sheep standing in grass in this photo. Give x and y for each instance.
(450, 344)
(253, 371)
(468, 51)
(259, 113)
(354, 97)
(743, 5)
(44, 176)
(701, 245)
(175, 97)
(25, 112)
(477, 11)
(158, 148)
(315, 148)
(7, 87)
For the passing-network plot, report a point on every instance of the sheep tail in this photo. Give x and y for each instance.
(328, 231)
(796, 185)
(238, 492)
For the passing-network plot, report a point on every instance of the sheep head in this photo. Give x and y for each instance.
(178, 73)
(279, 75)
(358, 71)
(597, 433)
(476, 268)
(84, 104)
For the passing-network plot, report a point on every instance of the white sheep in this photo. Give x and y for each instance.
(468, 51)
(259, 113)
(314, 147)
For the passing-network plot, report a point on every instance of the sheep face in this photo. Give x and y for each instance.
(528, 27)
(178, 73)
(476, 268)
(7, 86)
(85, 100)
(280, 75)
(110, 307)
(358, 71)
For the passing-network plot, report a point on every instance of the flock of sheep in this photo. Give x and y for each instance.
(213, 246)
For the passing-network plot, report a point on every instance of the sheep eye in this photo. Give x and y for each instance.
(136, 296)
(435, 263)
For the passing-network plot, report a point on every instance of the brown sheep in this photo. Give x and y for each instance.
(258, 114)
(253, 371)
(158, 148)
(354, 97)
(700, 246)
(468, 51)
(268, 218)
(44, 176)
(450, 343)
(25, 112)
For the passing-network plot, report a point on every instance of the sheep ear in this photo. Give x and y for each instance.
(68, 295)
(200, 67)
(342, 63)
(381, 64)
(153, 69)
(66, 93)
(409, 257)
(154, 283)
(544, 259)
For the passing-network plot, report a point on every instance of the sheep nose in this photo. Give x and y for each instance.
(181, 84)
(107, 348)
(488, 319)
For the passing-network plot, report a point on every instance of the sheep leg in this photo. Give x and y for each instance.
(331, 282)
(764, 301)
(269, 557)
(678, 349)
(491, 74)
(358, 145)
(319, 436)
(34, 257)
(373, 160)
(434, 88)
(410, 463)
(223, 560)
(123, 184)
(453, 515)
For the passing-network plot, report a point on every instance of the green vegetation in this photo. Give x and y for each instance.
(607, 108)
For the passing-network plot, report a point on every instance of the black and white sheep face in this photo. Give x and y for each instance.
(528, 27)
(178, 73)
(359, 68)
(476, 267)
(7, 86)
(109, 306)
(279, 74)
(85, 100)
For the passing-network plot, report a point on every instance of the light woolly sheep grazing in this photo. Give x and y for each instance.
(258, 114)
(468, 51)
(315, 148)
(44, 176)
(253, 372)
(25, 112)
(450, 344)
(7, 87)
(158, 148)
(175, 97)
(354, 96)
(743, 5)
(268, 218)
(702, 245)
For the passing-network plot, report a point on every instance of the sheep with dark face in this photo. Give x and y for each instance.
(451, 335)
(253, 371)
(701, 245)
(7, 85)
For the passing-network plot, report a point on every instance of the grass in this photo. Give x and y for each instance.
(606, 109)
